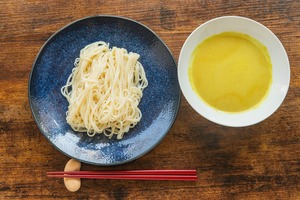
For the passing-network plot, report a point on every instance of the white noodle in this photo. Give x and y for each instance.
(104, 90)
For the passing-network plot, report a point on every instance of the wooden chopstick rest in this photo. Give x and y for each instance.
(72, 184)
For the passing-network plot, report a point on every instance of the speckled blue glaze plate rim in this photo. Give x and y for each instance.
(159, 105)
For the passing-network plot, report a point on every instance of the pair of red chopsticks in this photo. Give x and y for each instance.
(178, 175)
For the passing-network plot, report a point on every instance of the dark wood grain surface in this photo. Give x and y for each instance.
(257, 162)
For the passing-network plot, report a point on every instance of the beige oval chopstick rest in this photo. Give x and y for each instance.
(72, 184)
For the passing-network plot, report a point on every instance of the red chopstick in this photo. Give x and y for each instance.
(183, 175)
(132, 177)
(140, 172)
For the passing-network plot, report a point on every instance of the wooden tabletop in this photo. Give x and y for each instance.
(256, 162)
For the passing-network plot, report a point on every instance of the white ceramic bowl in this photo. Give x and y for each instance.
(280, 70)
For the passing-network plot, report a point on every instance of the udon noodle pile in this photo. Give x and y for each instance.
(104, 91)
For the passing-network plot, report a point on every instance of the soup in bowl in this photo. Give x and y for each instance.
(233, 71)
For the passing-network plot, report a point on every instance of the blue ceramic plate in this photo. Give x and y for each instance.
(54, 64)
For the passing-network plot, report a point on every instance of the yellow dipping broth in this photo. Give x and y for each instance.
(231, 71)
